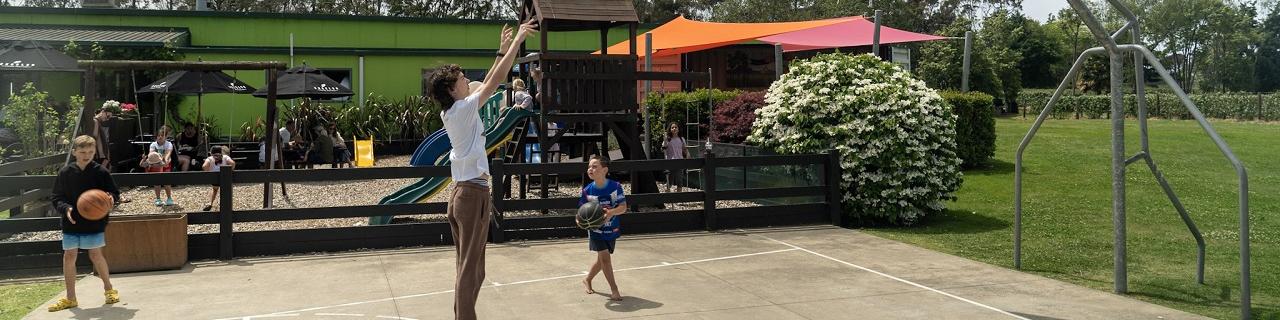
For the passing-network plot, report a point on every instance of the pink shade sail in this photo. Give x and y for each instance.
(855, 32)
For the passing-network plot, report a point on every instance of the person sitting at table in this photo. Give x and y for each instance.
(321, 151)
(294, 147)
(190, 146)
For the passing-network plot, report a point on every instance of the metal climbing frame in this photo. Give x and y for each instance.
(1119, 162)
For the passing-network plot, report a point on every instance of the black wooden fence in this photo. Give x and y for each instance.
(227, 243)
(14, 199)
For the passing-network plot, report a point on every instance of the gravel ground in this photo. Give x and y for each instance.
(192, 199)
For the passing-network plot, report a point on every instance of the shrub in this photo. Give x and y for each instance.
(895, 136)
(1160, 104)
(975, 126)
(732, 118)
(40, 127)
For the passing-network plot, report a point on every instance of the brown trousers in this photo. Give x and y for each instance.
(469, 208)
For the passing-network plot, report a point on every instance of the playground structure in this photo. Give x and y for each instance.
(582, 98)
(1119, 162)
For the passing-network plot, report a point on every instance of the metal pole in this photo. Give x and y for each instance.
(648, 88)
(361, 97)
(1118, 172)
(968, 50)
(779, 64)
(875, 39)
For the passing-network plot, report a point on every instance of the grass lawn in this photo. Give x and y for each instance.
(17, 300)
(1067, 231)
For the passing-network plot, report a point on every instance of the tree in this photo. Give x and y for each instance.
(941, 62)
(1268, 68)
(655, 11)
(1042, 55)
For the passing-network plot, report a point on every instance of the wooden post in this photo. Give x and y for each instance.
(708, 190)
(225, 225)
(271, 136)
(497, 188)
(833, 189)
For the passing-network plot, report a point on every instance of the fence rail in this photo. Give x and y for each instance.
(228, 243)
(15, 198)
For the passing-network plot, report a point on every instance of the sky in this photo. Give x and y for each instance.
(1041, 9)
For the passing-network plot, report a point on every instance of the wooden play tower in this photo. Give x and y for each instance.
(588, 95)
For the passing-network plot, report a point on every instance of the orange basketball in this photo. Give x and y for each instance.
(94, 204)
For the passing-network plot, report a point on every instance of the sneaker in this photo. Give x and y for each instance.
(113, 296)
(168, 202)
(63, 304)
(159, 202)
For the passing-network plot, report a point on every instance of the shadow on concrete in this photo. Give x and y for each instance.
(630, 304)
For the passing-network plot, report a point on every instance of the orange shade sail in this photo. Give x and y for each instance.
(683, 35)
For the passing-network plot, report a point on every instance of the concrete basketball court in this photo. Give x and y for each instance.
(781, 273)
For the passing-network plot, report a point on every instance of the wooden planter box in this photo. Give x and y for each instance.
(146, 242)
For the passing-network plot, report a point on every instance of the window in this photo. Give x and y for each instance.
(343, 77)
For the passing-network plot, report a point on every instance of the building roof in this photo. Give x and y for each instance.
(571, 15)
(104, 35)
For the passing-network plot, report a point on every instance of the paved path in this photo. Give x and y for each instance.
(791, 273)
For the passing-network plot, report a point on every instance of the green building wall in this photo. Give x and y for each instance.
(395, 49)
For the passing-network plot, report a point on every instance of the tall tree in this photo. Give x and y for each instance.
(1269, 54)
(941, 62)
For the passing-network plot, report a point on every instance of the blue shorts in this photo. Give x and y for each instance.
(600, 245)
(83, 240)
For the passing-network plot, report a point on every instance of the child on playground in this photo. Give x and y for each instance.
(611, 197)
(218, 157)
(79, 233)
(164, 149)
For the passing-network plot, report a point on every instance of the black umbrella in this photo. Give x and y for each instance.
(33, 56)
(197, 83)
(306, 82)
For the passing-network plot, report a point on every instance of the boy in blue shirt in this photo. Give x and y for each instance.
(610, 196)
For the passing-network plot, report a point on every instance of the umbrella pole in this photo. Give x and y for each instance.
(199, 119)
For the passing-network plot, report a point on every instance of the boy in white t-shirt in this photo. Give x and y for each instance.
(470, 203)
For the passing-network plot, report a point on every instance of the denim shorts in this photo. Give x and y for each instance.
(83, 240)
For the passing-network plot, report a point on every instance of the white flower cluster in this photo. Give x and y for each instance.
(111, 105)
(895, 136)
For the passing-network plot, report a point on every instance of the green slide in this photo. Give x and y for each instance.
(435, 151)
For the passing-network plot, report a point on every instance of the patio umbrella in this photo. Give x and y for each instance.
(306, 82)
(27, 56)
(197, 83)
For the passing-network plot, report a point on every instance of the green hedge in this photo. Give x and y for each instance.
(1239, 106)
(975, 126)
(671, 107)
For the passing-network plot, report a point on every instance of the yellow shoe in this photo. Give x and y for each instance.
(113, 296)
(63, 304)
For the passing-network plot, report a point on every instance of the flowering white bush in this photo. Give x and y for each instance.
(895, 136)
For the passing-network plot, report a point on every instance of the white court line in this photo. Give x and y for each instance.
(341, 314)
(664, 264)
(274, 315)
(894, 278)
(396, 318)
